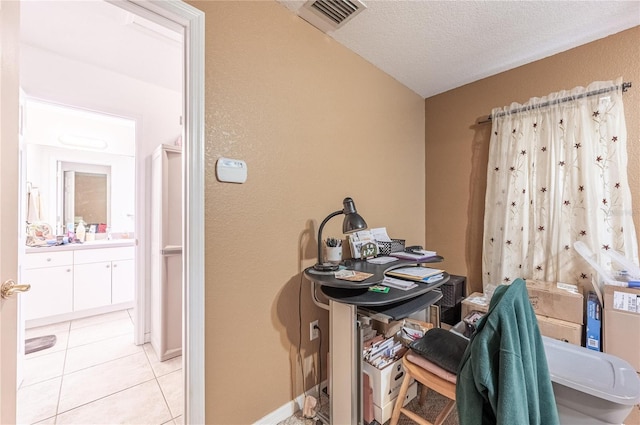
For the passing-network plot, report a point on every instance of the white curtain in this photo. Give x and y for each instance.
(557, 174)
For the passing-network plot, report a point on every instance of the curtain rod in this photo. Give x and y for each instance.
(625, 86)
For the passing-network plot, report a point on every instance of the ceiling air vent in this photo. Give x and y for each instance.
(329, 15)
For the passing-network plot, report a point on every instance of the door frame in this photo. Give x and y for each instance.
(192, 22)
(9, 221)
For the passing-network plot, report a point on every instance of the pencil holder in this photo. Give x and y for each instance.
(333, 254)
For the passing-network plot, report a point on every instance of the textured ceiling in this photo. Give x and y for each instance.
(435, 46)
(429, 46)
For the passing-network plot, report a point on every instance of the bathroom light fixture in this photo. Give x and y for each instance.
(352, 223)
(82, 142)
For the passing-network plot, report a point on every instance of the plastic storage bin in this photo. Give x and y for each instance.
(590, 387)
(452, 291)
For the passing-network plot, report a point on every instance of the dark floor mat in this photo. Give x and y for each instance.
(32, 345)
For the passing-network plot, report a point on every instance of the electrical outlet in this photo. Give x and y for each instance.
(313, 332)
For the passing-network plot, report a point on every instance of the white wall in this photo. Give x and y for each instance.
(156, 111)
(52, 77)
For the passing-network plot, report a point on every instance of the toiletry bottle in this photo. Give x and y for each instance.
(80, 231)
(70, 233)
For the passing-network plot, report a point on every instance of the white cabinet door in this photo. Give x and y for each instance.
(122, 281)
(91, 285)
(51, 291)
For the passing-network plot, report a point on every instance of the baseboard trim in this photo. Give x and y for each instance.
(73, 315)
(289, 408)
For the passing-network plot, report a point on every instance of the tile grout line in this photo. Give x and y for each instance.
(164, 397)
(123, 389)
(155, 377)
(64, 364)
(105, 396)
(106, 361)
(66, 373)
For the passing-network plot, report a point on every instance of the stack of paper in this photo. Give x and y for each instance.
(352, 275)
(382, 260)
(422, 274)
(382, 352)
(404, 285)
(414, 256)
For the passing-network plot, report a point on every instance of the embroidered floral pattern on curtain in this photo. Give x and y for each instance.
(556, 174)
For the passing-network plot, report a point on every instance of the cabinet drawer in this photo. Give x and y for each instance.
(85, 256)
(48, 259)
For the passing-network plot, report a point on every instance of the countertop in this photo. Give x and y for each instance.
(104, 243)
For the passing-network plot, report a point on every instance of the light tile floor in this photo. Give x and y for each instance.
(96, 375)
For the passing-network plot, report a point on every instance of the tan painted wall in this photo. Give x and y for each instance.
(457, 150)
(315, 123)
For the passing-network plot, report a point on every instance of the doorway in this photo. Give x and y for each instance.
(81, 302)
(186, 16)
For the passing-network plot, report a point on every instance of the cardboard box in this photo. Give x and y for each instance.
(383, 414)
(387, 329)
(476, 301)
(557, 300)
(385, 382)
(560, 329)
(549, 326)
(394, 327)
(593, 335)
(622, 323)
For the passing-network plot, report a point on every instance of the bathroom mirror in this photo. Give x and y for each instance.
(85, 193)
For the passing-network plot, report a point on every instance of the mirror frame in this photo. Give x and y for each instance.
(65, 166)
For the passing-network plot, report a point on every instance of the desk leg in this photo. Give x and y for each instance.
(345, 373)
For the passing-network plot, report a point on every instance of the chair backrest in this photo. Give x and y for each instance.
(503, 377)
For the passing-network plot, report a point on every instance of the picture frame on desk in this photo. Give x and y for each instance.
(371, 249)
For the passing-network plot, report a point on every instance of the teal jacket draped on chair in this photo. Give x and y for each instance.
(503, 377)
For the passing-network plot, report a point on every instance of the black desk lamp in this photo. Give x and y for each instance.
(352, 223)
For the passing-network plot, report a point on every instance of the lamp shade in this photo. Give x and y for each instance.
(352, 220)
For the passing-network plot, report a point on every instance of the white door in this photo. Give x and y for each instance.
(9, 118)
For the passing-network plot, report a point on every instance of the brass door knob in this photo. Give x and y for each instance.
(10, 287)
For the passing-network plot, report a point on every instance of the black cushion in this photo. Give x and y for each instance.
(442, 348)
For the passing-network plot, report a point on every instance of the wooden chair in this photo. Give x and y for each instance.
(431, 376)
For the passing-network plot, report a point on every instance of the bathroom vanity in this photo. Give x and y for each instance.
(78, 280)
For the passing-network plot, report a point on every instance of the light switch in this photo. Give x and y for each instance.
(231, 170)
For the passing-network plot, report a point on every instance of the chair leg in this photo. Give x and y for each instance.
(395, 415)
(423, 394)
(445, 412)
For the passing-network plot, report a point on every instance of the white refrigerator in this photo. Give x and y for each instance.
(166, 252)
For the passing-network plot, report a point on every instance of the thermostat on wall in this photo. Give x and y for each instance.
(231, 170)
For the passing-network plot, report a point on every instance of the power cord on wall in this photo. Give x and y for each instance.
(310, 406)
(319, 376)
(304, 390)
